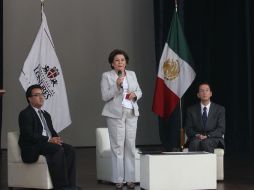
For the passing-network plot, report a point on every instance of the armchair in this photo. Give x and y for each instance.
(20, 174)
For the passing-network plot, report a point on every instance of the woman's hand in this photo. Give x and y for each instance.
(119, 82)
(131, 96)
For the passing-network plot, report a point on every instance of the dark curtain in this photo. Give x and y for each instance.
(220, 35)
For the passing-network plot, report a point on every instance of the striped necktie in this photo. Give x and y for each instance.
(45, 125)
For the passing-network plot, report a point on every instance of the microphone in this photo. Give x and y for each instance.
(119, 73)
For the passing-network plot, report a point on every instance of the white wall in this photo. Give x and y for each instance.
(84, 32)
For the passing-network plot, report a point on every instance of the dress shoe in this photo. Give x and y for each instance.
(119, 185)
(130, 185)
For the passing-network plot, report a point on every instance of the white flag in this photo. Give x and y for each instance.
(42, 67)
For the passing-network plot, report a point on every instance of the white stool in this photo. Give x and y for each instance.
(219, 163)
(178, 171)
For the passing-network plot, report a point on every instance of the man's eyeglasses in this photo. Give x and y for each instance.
(38, 95)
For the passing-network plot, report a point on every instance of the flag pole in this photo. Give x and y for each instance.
(42, 3)
(176, 5)
(42, 6)
(182, 135)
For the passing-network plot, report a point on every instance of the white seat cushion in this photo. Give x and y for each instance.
(20, 174)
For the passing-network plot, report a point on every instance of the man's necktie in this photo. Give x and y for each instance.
(45, 125)
(204, 115)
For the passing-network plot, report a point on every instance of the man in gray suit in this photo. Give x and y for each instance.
(205, 122)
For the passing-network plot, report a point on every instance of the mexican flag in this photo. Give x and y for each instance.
(175, 72)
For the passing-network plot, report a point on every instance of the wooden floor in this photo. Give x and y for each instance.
(239, 172)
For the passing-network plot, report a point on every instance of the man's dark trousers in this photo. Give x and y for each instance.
(61, 164)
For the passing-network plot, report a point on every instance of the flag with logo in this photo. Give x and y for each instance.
(42, 67)
(175, 72)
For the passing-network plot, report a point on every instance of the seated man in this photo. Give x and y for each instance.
(205, 122)
(38, 137)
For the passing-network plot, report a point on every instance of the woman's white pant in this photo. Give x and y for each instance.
(122, 135)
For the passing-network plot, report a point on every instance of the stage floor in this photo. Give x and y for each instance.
(239, 172)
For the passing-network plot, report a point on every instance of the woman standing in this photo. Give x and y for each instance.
(120, 91)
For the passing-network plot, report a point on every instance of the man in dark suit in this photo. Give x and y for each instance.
(38, 137)
(205, 122)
